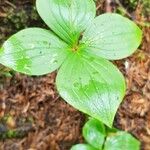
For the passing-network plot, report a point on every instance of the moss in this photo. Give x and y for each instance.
(17, 19)
(15, 128)
(146, 8)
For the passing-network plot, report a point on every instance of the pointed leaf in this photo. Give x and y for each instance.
(67, 18)
(121, 140)
(112, 36)
(33, 51)
(92, 85)
(83, 147)
(94, 133)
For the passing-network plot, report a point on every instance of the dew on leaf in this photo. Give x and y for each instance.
(95, 72)
(55, 61)
(76, 84)
(54, 55)
(21, 57)
(27, 68)
(27, 57)
(91, 58)
(45, 42)
(80, 78)
(114, 54)
(49, 44)
(32, 46)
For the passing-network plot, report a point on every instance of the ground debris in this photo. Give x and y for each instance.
(34, 100)
(134, 113)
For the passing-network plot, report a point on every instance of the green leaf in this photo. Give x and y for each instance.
(67, 18)
(112, 36)
(91, 84)
(111, 130)
(121, 141)
(94, 133)
(33, 51)
(83, 147)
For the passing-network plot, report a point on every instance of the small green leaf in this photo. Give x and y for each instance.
(83, 147)
(94, 133)
(67, 18)
(112, 36)
(33, 51)
(91, 84)
(121, 141)
(111, 130)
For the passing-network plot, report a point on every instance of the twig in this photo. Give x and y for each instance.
(3, 14)
(99, 5)
(10, 4)
(127, 13)
(142, 23)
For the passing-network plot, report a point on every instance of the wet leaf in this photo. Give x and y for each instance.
(83, 147)
(33, 51)
(121, 141)
(94, 133)
(91, 84)
(112, 36)
(67, 18)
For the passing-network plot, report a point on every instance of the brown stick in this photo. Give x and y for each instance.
(10, 4)
(127, 13)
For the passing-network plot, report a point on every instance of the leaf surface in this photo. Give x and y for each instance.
(33, 51)
(121, 141)
(94, 133)
(112, 36)
(83, 147)
(67, 18)
(91, 84)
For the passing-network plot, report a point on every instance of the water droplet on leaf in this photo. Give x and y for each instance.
(95, 72)
(76, 84)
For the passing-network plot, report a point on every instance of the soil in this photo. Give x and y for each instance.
(34, 117)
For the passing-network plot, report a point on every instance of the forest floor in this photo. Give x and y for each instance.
(33, 116)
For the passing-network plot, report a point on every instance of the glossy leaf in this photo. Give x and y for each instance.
(112, 36)
(94, 133)
(67, 18)
(83, 147)
(121, 141)
(33, 51)
(92, 85)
